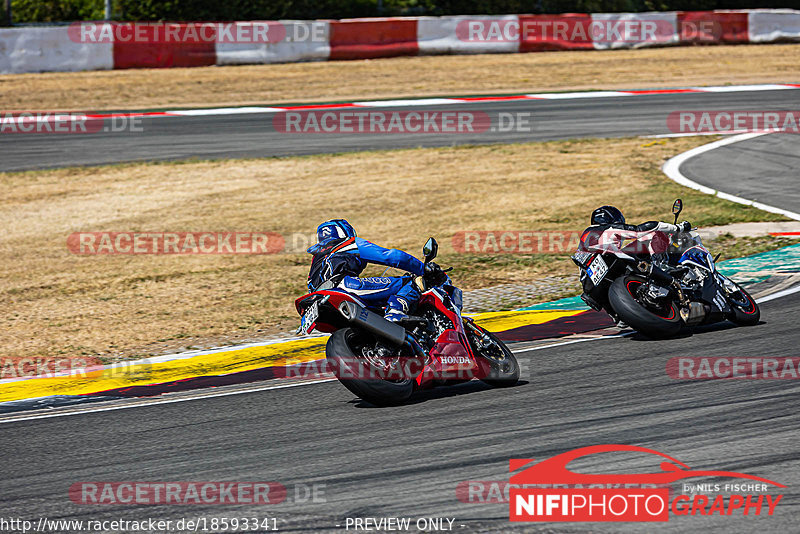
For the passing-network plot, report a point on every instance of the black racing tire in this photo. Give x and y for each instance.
(636, 315)
(347, 366)
(745, 311)
(500, 365)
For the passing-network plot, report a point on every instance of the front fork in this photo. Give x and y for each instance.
(726, 283)
(484, 340)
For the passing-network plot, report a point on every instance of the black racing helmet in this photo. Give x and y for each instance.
(606, 215)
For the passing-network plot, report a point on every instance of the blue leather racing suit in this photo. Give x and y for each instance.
(341, 261)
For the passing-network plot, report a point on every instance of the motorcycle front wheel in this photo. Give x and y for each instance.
(745, 310)
(658, 324)
(345, 354)
(503, 368)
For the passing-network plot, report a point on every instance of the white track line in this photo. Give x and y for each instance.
(587, 94)
(154, 402)
(225, 111)
(162, 401)
(410, 102)
(779, 294)
(693, 134)
(582, 340)
(739, 88)
(672, 169)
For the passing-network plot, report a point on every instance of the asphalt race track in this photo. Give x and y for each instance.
(764, 169)
(253, 135)
(408, 461)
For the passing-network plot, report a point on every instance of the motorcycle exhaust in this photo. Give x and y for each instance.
(373, 322)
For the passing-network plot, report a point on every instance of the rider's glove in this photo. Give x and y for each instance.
(434, 275)
(685, 226)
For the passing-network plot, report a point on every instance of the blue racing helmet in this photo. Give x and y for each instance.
(333, 229)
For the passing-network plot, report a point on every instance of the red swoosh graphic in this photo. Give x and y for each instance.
(554, 470)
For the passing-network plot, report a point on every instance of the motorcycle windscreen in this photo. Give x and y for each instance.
(699, 257)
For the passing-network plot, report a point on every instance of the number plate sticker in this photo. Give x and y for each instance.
(308, 320)
(597, 270)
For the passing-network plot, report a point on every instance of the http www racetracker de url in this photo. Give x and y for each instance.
(219, 524)
(194, 524)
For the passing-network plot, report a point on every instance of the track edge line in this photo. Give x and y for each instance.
(671, 169)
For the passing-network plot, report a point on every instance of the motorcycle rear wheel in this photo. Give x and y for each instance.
(348, 364)
(646, 322)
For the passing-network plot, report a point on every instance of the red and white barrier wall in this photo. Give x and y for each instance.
(97, 46)
(49, 48)
(766, 26)
(300, 40)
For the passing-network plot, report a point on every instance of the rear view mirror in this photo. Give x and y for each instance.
(430, 249)
(677, 208)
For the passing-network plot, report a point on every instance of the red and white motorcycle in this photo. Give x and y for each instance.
(384, 362)
(659, 283)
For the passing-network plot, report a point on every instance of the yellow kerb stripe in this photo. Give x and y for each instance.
(224, 362)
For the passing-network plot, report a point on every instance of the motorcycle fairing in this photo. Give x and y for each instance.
(714, 296)
(450, 359)
(335, 297)
(451, 355)
(699, 256)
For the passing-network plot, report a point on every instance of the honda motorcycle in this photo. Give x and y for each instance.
(383, 362)
(658, 283)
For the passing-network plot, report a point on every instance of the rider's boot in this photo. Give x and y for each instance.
(396, 309)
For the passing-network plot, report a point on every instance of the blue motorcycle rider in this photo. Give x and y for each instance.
(340, 256)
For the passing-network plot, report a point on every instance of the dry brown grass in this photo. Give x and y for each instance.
(54, 302)
(399, 77)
